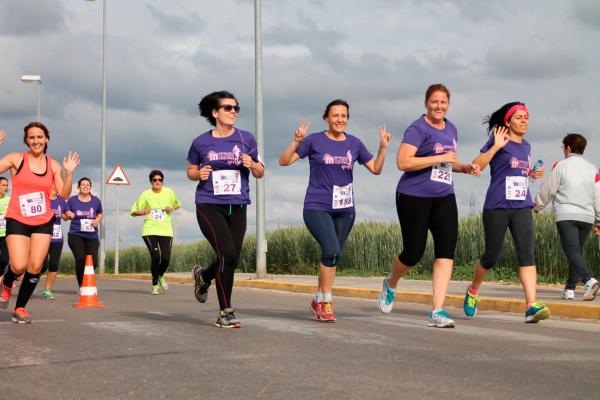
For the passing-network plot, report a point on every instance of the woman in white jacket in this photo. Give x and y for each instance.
(573, 188)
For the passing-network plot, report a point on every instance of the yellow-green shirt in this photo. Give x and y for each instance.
(158, 222)
(3, 206)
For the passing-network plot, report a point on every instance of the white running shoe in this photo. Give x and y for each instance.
(385, 302)
(440, 319)
(567, 294)
(590, 289)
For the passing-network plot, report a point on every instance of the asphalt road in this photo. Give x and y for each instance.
(166, 347)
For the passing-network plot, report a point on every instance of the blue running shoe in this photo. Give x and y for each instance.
(470, 304)
(537, 312)
(385, 302)
(440, 319)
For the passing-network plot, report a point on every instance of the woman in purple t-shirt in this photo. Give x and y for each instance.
(85, 213)
(221, 161)
(425, 201)
(508, 205)
(329, 201)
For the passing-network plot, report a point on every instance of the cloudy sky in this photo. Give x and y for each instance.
(379, 55)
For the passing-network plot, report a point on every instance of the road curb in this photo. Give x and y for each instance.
(558, 309)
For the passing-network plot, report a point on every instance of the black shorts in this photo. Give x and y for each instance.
(14, 227)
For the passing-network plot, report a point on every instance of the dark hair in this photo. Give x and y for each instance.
(3, 179)
(155, 172)
(85, 178)
(576, 142)
(496, 119)
(212, 102)
(36, 125)
(436, 87)
(336, 102)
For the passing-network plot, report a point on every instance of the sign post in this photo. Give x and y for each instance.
(117, 178)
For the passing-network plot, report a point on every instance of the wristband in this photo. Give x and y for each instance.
(464, 168)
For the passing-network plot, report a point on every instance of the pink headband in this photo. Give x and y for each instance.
(514, 109)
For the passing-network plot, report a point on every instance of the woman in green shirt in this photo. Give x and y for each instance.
(4, 199)
(156, 205)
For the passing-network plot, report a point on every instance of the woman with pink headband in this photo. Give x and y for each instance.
(508, 205)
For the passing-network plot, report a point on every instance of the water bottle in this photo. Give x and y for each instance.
(537, 166)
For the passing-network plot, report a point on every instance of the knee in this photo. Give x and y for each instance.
(488, 262)
(410, 259)
(330, 260)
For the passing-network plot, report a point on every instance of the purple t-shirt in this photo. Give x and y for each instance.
(429, 141)
(228, 182)
(59, 207)
(84, 213)
(509, 171)
(331, 163)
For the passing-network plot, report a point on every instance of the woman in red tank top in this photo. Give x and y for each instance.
(29, 218)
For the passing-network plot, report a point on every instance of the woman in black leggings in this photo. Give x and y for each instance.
(221, 160)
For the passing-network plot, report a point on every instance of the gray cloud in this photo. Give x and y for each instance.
(31, 17)
(186, 22)
(588, 12)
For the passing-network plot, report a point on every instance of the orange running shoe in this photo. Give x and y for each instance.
(5, 297)
(21, 316)
(316, 309)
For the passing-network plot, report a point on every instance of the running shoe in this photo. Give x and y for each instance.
(537, 312)
(200, 287)
(567, 294)
(155, 289)
(385, 302)
(227, 320)
(470, 304)
(327, 314)
(590, 289)
(21, 316)
(47, 294)
(163, 283)
(440, 319)
(232, 319)
(5, 297)
(316, 308)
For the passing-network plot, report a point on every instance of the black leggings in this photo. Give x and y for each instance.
(417, 215)
(52, 260)
(224, 227)
(81, 247)
(3, 254)
(520, 223)
(160, 254)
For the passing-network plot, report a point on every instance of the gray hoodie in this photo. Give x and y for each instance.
(573, 188)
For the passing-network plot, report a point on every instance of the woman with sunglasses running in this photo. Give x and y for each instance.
(29, 218)
(508, 205)
(157, 205)
(425, 201)
(329, 202)
(221, 160)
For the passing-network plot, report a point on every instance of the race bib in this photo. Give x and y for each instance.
(86, 225)
(227, 181)
(2, 222)
(32, 204)
(442, 173)
(57, 232)
(157, 215)
(342, 197)
(516, 187)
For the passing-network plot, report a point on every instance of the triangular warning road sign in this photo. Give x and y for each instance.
(118, 177)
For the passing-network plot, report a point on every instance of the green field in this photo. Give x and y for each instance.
(368, 252)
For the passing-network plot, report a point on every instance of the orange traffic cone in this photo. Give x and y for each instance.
(88, 294)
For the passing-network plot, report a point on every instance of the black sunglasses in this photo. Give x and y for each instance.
(229, 108)
(157, 180)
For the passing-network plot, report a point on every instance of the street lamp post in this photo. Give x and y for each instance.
(34, 79)
(102, 250)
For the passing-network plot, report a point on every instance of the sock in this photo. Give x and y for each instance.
(327, 297)
(473, 291)
(30, 281)
(529, 305)
(9, 278)
(319, 297)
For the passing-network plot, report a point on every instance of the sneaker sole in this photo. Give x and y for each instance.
(236, 326)
(593, 294)
(434, 325)
(19, 321)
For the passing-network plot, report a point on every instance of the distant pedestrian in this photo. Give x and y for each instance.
(329, 202)
(570, 189)
(508, 205)
(157, 205)
(221, 161)
(425, 201)
(4, 199)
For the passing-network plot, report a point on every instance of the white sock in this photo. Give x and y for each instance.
(319, 297)
(327, 297)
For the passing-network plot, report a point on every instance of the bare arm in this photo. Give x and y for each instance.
(501, 138)
(198, 174)
(407, 161)
(375, 166)
(288, 155)
(64, 185)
